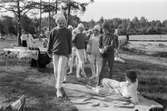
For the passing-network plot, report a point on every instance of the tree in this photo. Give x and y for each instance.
(18, 8)
(74, 5)
(8, 25)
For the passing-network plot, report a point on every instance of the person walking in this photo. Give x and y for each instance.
(59, 46)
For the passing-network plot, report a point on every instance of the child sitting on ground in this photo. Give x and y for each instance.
(127, 89)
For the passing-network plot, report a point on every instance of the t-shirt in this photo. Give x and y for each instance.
(79, 41)
(129, 90)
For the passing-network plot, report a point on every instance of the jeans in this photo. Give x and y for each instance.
(110, 60)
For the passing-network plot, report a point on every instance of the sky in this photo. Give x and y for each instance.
(151, 9)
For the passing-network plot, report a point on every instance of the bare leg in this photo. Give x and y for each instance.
(80, 56)
(92, 64)
(98, 67)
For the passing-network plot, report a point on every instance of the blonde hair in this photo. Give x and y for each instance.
(60, 19)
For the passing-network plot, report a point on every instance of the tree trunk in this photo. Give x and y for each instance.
(40, 18)
(49, 17)
(56, 7)
(68, 14)
(18, 24)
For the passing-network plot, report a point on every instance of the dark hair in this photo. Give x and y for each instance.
(108, 26)
(132, 75)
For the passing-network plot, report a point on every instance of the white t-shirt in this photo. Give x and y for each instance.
(129, 90)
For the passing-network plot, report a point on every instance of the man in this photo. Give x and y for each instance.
(60, 47)
(106, 47)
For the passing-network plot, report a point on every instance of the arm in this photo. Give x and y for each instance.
(50, 42)
(74, 39)
(70, 42)
(89, 46)
(101, 45)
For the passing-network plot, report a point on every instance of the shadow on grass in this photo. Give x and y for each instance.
(40, 96)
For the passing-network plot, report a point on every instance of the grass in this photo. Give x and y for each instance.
(152, 83)
(152, 79)
(38, 85)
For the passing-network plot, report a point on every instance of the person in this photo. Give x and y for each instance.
(24, 39)
(94, 53)
(72, 59)
(106, 48)
(126, 89)
(117, 57)
(60, 47)
(79, 43)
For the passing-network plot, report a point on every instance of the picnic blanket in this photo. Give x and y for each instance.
(86, 100)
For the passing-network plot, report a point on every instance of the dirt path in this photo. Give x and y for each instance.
(147, 59)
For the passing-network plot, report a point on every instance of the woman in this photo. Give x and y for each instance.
(79, 43)
(94, 53)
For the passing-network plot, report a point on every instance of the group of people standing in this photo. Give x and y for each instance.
(68, 46)
(65, 43)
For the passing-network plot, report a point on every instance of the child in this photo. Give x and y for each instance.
(94, 53)
(106, 48)
(79, 43)
(127, 89)
(60, 46)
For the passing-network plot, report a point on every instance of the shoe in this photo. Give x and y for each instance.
(59, 93)
(69, 73)
(84, 75)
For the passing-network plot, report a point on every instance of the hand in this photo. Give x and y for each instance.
(105, 48)
(50, 55)
(101, 51)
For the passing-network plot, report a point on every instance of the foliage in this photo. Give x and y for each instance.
(135, 26)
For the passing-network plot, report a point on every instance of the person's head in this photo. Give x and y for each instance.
(60, 21)
(131, 76)
(80, 27)
(96, 29)
(70, 28)
(107, 27)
